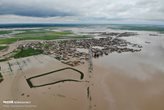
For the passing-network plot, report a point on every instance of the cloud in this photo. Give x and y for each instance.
(92, 10)
(31, 8)
(24, 19)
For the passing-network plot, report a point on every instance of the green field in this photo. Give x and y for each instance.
(8, 40)
(5, 32)
(27, 52)
(40, 35)
(43, 33)
(35, 35)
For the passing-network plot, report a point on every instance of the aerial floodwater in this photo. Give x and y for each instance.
(81, 67)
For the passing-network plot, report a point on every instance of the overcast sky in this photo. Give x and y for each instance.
(81, 11)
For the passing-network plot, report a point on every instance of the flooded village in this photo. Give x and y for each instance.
(76, 52)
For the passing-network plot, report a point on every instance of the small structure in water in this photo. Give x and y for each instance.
(90, 66)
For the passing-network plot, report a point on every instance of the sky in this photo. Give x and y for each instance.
(82, 11)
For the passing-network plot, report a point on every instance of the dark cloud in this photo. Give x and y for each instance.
(32, 11)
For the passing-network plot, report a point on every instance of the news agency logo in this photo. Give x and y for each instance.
(8, 102)
(16, 102)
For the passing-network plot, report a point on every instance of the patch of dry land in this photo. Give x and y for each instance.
(128, 74)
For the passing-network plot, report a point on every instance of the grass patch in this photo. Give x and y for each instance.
(27, 52)
(1, 77)
(3, 47)
(8, 40)
(2, 60)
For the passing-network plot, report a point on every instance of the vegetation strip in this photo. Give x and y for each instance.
(10, 66)
(3, 47)
(34, 86)
(2, 60)
(5, 32)
(1, 77)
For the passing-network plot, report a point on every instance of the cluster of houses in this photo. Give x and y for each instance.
(67, 50)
